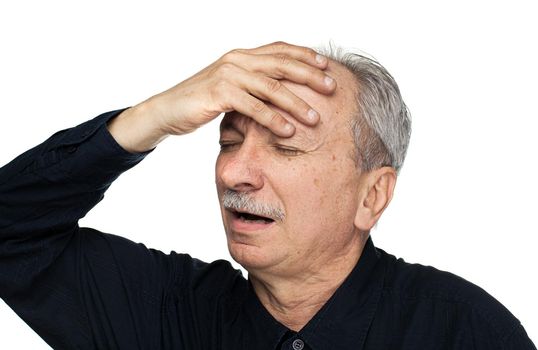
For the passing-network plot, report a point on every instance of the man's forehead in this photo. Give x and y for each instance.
(334, 109)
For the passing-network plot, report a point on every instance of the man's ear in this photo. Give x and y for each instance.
(375, 194)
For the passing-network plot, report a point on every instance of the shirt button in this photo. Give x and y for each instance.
(297, 344)
(71, 149)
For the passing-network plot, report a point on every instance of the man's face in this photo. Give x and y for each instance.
(311, 178)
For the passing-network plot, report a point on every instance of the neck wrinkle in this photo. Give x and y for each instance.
(294, 301)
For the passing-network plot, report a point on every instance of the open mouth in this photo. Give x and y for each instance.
(252, 218)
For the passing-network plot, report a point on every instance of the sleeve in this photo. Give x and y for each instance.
(78, 288)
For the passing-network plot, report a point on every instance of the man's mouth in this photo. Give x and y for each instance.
(252, 218)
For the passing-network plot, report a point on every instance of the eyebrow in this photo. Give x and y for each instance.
(300, 136)
(229, 125)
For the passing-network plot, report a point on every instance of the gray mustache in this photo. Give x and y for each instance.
(241, 201)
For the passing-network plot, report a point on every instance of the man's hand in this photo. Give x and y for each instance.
(241, 80)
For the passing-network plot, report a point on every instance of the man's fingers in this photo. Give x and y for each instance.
(281, 66)
(278, 94)
(254, 76)
(287, 68)
(300, 53)
(256, 109)
(273, 91)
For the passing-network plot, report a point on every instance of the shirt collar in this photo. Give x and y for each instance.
(264, 327)
(345, 318)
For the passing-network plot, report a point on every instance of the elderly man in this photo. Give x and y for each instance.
(310, 151)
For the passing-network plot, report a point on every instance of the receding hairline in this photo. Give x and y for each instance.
(382, 122)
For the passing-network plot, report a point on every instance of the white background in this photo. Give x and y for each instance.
(465, 200)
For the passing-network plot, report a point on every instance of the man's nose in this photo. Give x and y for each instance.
(242, 169)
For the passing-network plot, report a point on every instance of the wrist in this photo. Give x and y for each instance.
(136, 129)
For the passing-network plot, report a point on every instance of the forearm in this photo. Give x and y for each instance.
(79, 288)
(55, 182)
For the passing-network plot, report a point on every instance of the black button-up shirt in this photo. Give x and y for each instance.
(80, 288)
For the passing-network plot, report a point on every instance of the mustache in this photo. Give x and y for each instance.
(241, 201)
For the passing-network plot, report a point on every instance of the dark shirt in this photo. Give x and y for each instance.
(80, 288)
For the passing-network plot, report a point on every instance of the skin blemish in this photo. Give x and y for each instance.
(316, 182)
(334, 157)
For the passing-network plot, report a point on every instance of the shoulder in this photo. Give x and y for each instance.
(216, 278)
(460, 302)
(148, 267)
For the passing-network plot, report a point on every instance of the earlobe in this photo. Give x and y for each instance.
(374, 196)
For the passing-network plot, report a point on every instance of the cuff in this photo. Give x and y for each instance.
(89, 154)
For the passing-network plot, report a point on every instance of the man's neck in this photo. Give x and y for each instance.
(294, 301)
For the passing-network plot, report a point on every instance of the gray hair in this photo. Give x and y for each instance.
(242, 201)
(382, 128)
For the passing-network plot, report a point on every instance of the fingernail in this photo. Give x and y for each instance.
(312, 115)
(288, 128)
(320, 59)
(328, 80)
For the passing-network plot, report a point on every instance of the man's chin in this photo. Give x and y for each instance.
(250, 257)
